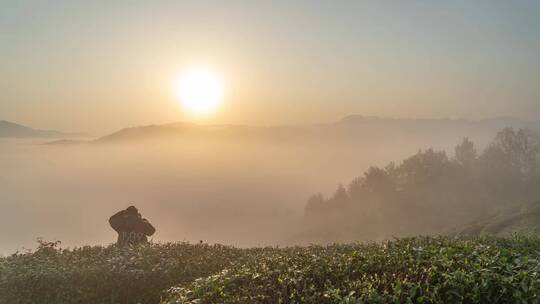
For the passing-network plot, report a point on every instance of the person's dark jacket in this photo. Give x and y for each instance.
(131, 227)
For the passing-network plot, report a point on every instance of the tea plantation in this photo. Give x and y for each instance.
(413, 270)
(96, 275)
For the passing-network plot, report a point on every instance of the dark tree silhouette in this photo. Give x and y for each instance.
(466, 153)
(430, 192)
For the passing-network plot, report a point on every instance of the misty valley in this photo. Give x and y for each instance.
(249, 186)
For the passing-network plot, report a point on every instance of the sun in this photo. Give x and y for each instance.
(200, 91)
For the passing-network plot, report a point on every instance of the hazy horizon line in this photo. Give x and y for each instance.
(342, 119)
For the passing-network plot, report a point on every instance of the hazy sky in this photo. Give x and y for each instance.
(97, 66)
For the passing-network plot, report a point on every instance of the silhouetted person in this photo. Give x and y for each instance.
(132, 228)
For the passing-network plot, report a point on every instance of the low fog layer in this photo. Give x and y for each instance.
(235, 185)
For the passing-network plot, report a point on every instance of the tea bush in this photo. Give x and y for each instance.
(106, 274)
(415, 270)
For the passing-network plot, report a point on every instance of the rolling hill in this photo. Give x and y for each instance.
(13, 130)
(521, 219)
(352, 128)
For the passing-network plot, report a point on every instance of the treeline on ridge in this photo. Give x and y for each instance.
(431, 192)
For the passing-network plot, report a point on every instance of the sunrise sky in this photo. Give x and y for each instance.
(97, 66)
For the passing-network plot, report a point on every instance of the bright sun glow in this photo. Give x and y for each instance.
(200, 91)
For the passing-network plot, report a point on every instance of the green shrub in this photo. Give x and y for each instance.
(416, 270)
(106, 274)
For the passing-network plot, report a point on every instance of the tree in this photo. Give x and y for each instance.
(356, 188)
(315, 205)
(422, 170)
(518, 152)
(378, 181)
(430, 192)
(341, 194)
(466, 153)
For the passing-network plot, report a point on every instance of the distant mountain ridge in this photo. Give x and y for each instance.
(490, 122)
(186, 129)
(350, 127)
(13, 130)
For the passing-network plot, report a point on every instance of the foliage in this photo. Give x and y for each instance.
(432, 192)
(522, 219)
(106, 274)
(414, 270)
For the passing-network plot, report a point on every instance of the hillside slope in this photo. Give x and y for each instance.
(520, 219)
(349, 130)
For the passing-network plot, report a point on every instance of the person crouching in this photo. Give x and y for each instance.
(131, 227)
